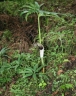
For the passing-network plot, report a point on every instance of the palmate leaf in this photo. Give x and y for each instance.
(27, 75)
(27, 15)
(37, 5)
(35, 8)
(32, 6)
(41, 4)
(66, 86)
(24, 12)
(3, 51)
(28, 70)
(25, 70)
(4, 67)
(26, 6)
(35, 67)
(47, 13)
(39, 68)
(29, 12)
(35, 76)
(29, 6)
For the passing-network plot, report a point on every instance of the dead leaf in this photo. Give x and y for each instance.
(60, 72)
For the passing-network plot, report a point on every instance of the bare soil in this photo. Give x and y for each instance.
(23, 33)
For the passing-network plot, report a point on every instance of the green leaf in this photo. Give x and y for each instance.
(35, 67)
(69, 86)
(28, 75)
(24, 12)
(40, 84)
(34, 76)
(39, 68)
(37, 5)
(27, 6)
(28, 70)
(66, 60)
(27, 15)
(3, 51)
(32, 6)
(66, 86)
(41, 4)
(47, 13)
(74, 71)
(62, 94)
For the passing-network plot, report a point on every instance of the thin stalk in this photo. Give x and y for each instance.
(39, 29)
(42, 61)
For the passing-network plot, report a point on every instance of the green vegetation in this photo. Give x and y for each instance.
(26, 73)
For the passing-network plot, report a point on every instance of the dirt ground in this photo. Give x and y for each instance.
(22, 33)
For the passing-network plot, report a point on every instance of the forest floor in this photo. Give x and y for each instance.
(21, 37)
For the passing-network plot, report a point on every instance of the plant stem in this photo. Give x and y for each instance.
(42, 61)
(39, 29)
(43, 70)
